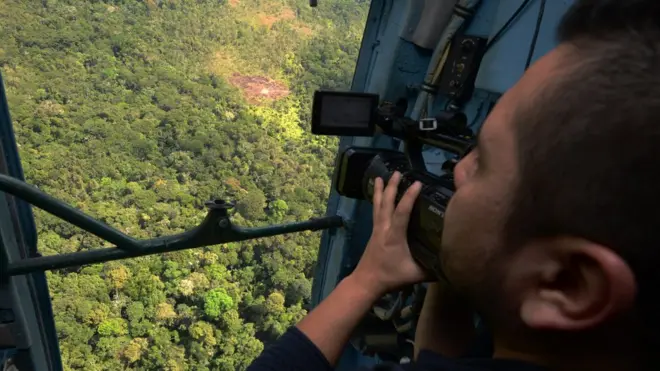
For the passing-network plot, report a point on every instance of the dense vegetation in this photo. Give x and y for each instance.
(138, 111)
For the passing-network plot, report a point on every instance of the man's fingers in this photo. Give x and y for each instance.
(403, 210)
(390, 195)
(378, 197)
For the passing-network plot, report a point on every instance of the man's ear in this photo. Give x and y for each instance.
(573, 284)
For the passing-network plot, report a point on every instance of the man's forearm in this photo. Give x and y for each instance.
(445, 324)
(330, 324)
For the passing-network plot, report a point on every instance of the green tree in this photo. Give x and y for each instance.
(113, 327)
(299, 290)
(134, 350)
(216, 302)
(203, 332)
(118, 276)
(279, 208)
(252, 205)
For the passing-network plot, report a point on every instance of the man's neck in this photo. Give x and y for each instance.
(576, 361)
(501, 352)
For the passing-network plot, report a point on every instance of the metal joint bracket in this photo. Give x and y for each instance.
(428, 124)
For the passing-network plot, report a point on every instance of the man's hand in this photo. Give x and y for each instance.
(387, 263)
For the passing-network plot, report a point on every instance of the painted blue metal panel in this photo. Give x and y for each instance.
(477, 108)
(482, 23)
(504, 64)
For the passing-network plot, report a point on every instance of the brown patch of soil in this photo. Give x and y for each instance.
(233, 2)
(258, 89)
(235, 184)
(283, 15)
(151, 4)
(304, 30)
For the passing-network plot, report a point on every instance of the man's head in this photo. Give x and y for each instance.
(553, 228)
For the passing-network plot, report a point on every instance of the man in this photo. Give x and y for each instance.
(552, 234)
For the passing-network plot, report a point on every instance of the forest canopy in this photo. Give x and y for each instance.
(139, 111)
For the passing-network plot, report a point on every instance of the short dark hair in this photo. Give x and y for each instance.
(589, 144)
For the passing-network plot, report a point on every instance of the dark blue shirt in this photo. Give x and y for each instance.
(295, 352)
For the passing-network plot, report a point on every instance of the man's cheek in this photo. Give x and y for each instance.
(468, 220)
(451, 216)
(457, 221)
(461, 205)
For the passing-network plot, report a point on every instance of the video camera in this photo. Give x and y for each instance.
(362, 114)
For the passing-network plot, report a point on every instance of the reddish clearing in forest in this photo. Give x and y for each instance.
(284, 15)
(233, 2)
(304, 30)
(259, 88)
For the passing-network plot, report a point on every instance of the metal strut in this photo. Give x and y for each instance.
(215, 229)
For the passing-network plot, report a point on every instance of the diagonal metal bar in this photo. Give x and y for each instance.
(63, 211)
(215, 229)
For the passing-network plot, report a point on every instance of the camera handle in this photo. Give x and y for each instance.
(447, 131)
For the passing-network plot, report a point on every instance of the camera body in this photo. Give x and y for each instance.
(358, 167)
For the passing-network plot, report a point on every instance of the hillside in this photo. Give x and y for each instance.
(138, 111)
